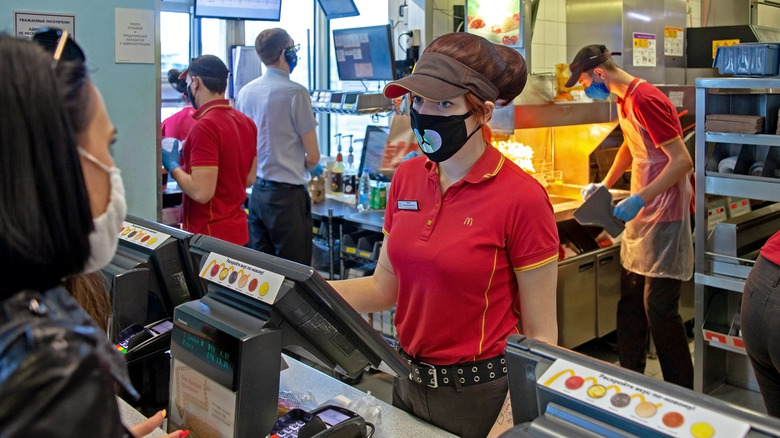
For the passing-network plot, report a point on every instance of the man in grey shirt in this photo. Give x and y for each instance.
(280, 208)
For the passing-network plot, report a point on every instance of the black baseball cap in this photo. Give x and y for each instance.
(588, 58)
(208, 66)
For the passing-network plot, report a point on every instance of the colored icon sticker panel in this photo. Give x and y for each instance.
(141, 236)
(661, 412)
(241, 277)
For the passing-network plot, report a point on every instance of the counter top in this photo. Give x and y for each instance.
(301, 378)
(565, 198)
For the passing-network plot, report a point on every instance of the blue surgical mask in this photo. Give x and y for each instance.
(291, 56)
(597, 90)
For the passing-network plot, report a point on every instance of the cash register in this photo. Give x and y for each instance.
(226, 347)
(556, 392)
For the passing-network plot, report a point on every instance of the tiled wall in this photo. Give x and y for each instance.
(694, 13)
(549, 42)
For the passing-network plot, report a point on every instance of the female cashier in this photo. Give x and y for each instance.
(471, 246)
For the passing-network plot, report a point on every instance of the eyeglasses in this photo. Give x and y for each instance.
(60, 43)
(296, 48)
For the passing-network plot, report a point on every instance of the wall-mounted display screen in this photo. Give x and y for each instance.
(265, 10)
(338, 8)
(365, 53)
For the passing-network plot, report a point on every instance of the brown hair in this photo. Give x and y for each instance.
(270, 43)
(501, 65)
(90, 292)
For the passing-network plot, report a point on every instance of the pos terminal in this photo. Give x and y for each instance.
(226, 347)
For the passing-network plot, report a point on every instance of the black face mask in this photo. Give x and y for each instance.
(440, 137)
(191, 95)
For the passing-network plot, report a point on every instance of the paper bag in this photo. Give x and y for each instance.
(400, 141)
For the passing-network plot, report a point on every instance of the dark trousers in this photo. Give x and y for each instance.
(651, 305)
(468, 412)
(760, 323)
(280, 221)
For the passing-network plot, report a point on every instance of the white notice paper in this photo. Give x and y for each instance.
(134, 36)
(27, 23)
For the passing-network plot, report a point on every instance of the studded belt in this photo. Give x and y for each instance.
(461, 374)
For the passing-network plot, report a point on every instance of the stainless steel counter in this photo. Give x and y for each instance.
(565, 198)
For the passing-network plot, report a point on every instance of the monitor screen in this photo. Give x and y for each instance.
(265, 10)
(373, 148)
(365, 53)
(315, 322)
(338, 8)
(165, 251)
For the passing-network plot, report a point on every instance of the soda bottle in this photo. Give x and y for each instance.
(364, 191)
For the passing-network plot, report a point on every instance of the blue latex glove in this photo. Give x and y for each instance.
(170, 156)
(411, 154)
(590, 189)
(317, 171)
(628, 208)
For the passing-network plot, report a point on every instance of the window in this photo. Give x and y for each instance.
(345, 125)
(298, 20)
(174, 54)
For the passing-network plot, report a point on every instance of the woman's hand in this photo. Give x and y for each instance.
(147, 426)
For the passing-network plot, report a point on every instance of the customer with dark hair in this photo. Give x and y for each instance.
(219, 159)
(61, 219)
(179, 124)
(280, 220)
(656, 250)
(471, 246)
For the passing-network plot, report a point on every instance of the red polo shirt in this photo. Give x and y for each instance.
(771, 249)
(225, 139)
(178, 125)
(455, 255)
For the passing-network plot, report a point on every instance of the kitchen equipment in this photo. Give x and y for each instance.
(597, 210)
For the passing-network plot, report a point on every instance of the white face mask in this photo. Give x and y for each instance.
(104, 239)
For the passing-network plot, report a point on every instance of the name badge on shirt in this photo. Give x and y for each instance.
(408, 205)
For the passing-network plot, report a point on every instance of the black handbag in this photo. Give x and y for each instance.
(57, 370)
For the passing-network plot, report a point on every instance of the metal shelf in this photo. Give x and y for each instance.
(742, 186)
(728, 348)
(769, 85)
(719, 281)
(716, 362)
(755, 139)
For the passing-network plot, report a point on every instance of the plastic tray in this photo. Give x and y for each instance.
(748, 59)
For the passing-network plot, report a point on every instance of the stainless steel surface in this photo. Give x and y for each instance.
(608, 270)
(613, 23)
(563, 114)
(736, 239)
(576, 293)
(717, 297)
(373, 219)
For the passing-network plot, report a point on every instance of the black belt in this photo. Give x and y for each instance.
(268, 183)
(460, 374)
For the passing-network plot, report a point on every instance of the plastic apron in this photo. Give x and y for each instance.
(658, 241)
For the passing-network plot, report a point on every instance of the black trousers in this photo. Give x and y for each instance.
(280, 221)
(651, 305)
(760, 323)
(468, 412)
